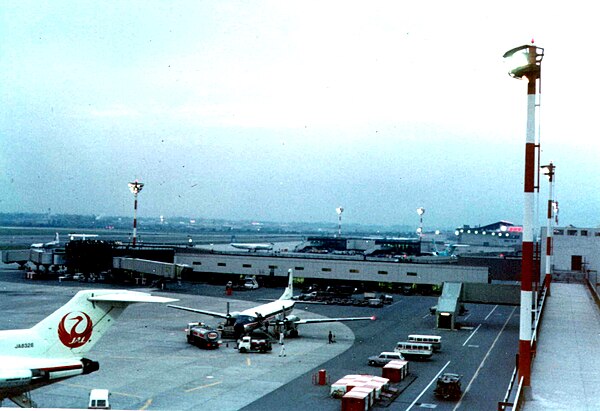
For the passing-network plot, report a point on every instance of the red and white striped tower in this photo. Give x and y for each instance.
(529, 67)
(135, 188)
(549, 230)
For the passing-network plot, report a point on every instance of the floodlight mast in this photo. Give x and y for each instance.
(420, 212)
(339, 212)
(529, 68)
(135, 188)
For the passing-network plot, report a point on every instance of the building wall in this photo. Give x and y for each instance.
(330, 268)
(572, 241)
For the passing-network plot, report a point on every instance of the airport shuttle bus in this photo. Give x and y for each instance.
(414, 350)
(434, 340)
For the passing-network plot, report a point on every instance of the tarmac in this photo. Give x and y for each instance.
(565, 373)
(147, 364)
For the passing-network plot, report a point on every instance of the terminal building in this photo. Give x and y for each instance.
(269, 266)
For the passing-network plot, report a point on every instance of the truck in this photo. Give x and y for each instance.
(248, 344)
(202, 335)
(448, 386)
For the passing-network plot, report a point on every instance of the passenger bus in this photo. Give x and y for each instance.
(434, 340)
(414, 350)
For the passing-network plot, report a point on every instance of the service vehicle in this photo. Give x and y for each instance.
(385, 357)
(448, 386)
(250, 283)
(414, 350)
(99, 399)
(248, 344)
(203, 336)
(434, 340)
(375, 302)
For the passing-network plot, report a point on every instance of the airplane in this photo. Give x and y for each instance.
(49, 244)
(53, 350)
(275, 314)
(253, 246)
(448, 251)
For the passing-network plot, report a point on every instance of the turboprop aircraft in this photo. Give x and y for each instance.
(252, 246)
(274, 315)
(49, 244)
(53, 350)
(448, 251)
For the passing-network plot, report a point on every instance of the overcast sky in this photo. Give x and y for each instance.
(283, 111)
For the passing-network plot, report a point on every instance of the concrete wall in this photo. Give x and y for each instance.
(506, 294)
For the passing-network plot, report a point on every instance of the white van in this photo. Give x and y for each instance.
(99, 399)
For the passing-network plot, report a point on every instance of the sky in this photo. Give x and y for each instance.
(285, 110)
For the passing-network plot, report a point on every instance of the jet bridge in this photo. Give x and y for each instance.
(454, 295)
(448, 306)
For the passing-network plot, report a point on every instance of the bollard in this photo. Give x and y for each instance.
(322, 377)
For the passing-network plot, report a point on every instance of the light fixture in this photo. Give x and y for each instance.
(524, 61)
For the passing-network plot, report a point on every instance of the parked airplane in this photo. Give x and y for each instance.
(49, 244)
(253, 246)
(52, 350)
(448, 251)
(274, 315)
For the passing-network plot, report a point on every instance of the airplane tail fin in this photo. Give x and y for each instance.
(288, 293)
(77, 326)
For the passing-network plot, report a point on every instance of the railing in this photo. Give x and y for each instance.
(517, 403)
(505, 402)
(591, 280)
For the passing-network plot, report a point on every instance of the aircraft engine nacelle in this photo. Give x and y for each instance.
(290, 319)
(290, 327)
(15, 378)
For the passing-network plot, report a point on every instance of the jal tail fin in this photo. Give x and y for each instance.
(77, 326)
(288, 293)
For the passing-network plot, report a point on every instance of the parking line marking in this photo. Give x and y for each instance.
(493, 309)
(472, 334)
(147, 404)
(484, 358)
(428, 385)
(203, 386)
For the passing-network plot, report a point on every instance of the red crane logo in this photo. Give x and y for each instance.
(73, 338)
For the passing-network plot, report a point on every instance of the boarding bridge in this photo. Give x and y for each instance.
(454, 295)
(148, 267)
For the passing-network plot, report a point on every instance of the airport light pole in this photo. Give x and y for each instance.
(526, 63)
(135, 188)
(339, 212)
(549, 229)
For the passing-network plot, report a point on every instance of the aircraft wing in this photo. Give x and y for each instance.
(333, 320)
(198, 311)
(132, 297)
